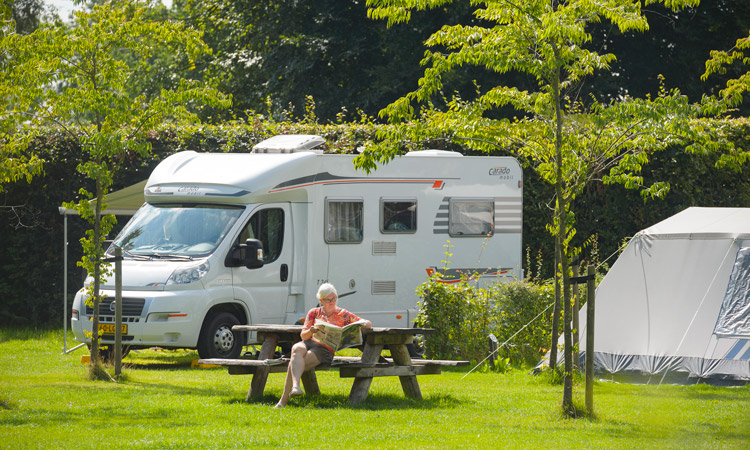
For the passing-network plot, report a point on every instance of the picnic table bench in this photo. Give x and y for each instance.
(363, 369)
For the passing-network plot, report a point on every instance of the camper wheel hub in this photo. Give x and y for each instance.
(223, 339)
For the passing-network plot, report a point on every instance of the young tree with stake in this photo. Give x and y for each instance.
(77, 79)
(569, 139)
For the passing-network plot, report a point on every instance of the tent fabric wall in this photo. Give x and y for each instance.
(657, 308)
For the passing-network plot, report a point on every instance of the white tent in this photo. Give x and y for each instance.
(676, 303)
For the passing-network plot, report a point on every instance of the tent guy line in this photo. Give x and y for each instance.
(692, 321)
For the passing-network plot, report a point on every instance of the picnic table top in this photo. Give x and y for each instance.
(271, 328)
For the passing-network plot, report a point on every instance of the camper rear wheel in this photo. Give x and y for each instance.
(217, 340)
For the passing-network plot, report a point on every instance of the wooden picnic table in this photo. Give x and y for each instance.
(363, 369)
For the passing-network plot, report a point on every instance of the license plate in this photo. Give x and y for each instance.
(109, 328)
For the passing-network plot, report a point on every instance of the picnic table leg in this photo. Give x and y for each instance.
(409, 383)
(310, 382)
(258, 385)
(361, 386)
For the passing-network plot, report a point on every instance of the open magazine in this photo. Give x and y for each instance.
(337, 337)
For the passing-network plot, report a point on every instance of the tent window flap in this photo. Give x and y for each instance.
(734, 316)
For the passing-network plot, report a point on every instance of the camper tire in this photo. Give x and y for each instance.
(217, 340)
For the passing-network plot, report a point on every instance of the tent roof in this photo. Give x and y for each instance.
(124, 202)
(704, 223)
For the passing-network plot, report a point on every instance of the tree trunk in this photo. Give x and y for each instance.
(576, 324)
(568, 407)
(555, 336)
(562, 231)
(94, 363)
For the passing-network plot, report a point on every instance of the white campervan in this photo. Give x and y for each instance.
(228, 238)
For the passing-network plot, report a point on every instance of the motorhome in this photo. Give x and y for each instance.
(227, 238)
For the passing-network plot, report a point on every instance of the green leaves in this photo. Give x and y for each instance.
(720, 60)
(570, 140)
(80, 79)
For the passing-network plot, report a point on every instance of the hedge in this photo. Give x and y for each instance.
(31, 248)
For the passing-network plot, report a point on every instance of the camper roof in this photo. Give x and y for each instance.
(289, 143)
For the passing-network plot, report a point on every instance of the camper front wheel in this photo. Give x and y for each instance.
(217, 340)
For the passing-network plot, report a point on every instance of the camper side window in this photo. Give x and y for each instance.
(471, 217)
(344, 221)
(266, 225)
(398, 216)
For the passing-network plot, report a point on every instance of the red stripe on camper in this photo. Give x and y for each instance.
(436, 184)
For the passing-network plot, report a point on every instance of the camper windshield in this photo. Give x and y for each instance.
(176, 230)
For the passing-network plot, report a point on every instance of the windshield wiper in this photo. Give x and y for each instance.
(170, 256)
(126, 253)
(134, 256)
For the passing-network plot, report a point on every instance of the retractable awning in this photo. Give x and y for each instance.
(124, 202)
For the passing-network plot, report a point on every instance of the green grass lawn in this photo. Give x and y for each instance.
(46, 401)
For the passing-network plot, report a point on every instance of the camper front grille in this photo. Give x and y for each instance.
(132, 307)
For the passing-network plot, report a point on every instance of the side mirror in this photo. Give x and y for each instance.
(253, 253)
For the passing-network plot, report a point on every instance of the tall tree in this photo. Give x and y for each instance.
(76, 79)
(273, 55)
(22, 17)
(723, 61)
(569, 139)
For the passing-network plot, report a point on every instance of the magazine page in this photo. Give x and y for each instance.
(327, 334)
(336, 337)
(351, 335)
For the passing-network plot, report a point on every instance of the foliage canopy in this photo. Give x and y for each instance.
(78, 79)
(568, 139)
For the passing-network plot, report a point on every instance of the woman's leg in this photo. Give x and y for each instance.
(301, 360)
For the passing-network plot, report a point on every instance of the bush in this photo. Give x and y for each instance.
(464, 315)
(524, 321)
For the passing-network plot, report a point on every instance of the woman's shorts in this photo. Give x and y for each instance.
(324, 355)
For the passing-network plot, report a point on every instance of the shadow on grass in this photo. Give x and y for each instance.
(718, 394)
(374, 402)
(160, 359)
(157, 366)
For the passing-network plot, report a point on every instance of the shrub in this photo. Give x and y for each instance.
(463, 315)
(524, 321)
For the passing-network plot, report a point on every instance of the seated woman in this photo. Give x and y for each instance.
(307, 354)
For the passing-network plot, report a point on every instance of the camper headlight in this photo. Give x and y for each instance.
(189, 274)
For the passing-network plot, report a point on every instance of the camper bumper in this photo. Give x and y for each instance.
(168, 319)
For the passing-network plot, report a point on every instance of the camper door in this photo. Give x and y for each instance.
(266, 289)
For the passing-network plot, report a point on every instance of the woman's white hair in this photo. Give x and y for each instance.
(325, 290)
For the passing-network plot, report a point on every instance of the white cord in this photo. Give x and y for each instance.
(508, 340)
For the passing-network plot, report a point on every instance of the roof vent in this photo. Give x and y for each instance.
(289, 143)
(433, 152)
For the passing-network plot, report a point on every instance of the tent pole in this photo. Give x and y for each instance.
(65, 281)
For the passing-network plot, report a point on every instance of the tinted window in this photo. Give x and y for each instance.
(398, 216)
